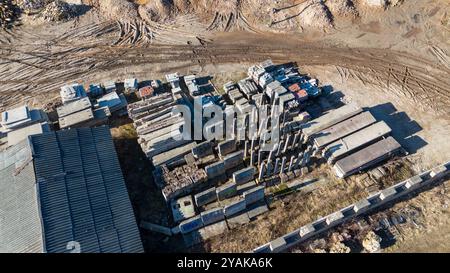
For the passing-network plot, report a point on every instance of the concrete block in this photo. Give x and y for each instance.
(438, 172)
(202, 149)
(233, 159)
(387, 193)
(277, 244)
(215, 169)
(175, 230)
(361, 205)
(254, 195)
(244, 175)
(413, 181)
(307, 230)
(205, 197)
(334, 217)
(191, 224)
(182, 208)
(212, 216)
(246, 186)
(262, 249)
(226, 191)
(234, 208)
(226, 147)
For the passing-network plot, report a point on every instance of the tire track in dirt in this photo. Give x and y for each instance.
(50, 64)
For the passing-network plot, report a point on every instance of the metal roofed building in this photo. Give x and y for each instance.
(75, 192)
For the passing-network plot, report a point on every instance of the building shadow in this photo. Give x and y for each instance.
(403, 127)
(81, 9)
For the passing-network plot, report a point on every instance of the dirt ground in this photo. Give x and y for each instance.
(395, 62)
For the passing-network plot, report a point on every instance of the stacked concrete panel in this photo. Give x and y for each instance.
(343, 129)
(318, 124)
(235, 207)
(202, 149)
(226, 191)
(234, 159)
(215, 169)
(159, 129)
(212, 216)
(254, 195)
(244, 175)
(366, 157)
(205, 197)
(353, 142)
(226, 147)
(172, 155)
(191, 224)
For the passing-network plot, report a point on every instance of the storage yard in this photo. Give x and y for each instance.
(360, 162)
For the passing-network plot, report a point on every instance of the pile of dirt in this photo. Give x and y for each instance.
(118, 9)
(156, 10)
(339, 247)
(371, 242)
(57, 11)
(182, 5)
(32, 6)
(8, 13)
(377, 3)
(160, 10)
(342, 8)
(208, 9)
(314, 13)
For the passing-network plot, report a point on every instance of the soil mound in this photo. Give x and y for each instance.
(118, 9)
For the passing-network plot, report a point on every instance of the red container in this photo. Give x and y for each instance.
(146, 91)
(294, 88)
(302, 95)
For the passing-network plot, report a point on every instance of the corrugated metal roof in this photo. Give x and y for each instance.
(20, 225)
(82, 192)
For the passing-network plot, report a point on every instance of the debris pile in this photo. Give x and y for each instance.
(179, 181)
(32, 6)
(157, 10)
(57, 11)
(8, 13)
(342, 7)
(371, 242)
(316, 14)
(339, 247)
(118, 9)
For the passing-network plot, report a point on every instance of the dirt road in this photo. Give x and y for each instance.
(41, 64)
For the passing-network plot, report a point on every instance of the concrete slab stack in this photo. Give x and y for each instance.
(244, 175)
(366, 157)
(329, 119)
(205, 197)
(254, 195)
(343, 129)
(226, 191)
(344, 146)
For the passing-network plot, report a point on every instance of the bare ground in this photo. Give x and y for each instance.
(394, 62)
